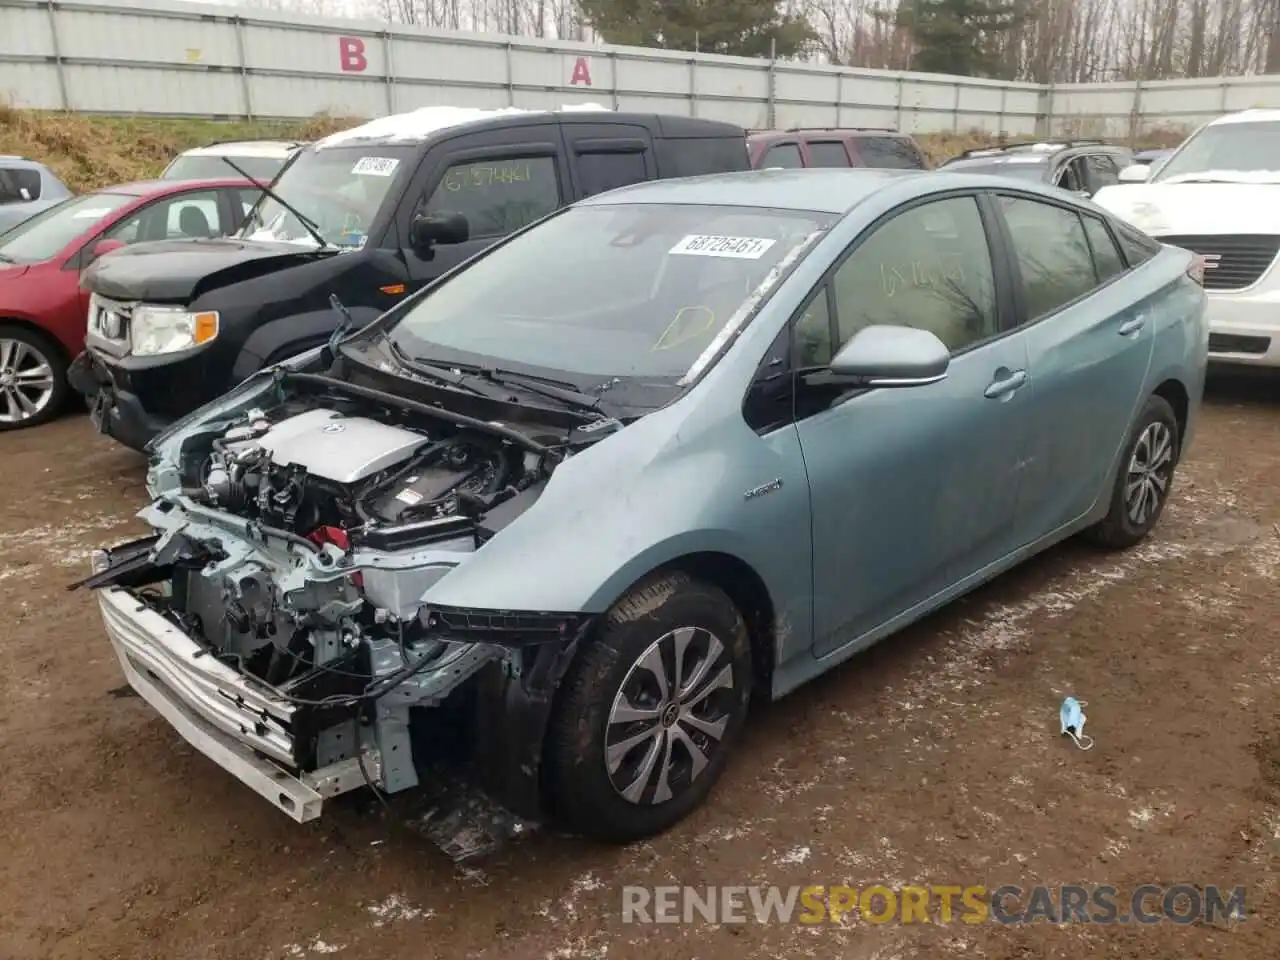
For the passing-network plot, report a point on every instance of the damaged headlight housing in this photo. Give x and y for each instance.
(508, 628)
(159, 330)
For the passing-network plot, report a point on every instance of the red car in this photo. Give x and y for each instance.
(43, 311)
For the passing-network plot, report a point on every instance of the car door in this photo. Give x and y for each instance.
(605, 156)
(1089, 345)
(500, 180)
(1100, 171)
(912, 489)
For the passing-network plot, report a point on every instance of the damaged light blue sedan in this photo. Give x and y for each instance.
(569, 507)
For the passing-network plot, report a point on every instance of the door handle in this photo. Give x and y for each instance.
(1133, 325)
(1004, 386)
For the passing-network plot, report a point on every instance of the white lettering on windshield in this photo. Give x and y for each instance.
(738, 248)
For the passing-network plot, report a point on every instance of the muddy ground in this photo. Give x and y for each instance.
(935, 758)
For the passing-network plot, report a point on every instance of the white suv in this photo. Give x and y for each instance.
(1218, 195)
(261, 159)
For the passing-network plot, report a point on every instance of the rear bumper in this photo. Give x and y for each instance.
(241, 726)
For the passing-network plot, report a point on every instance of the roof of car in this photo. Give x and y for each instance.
(26, 163)
(999, 159)
(156, 188)
(1254, 115)
(822, 190)
(761, 135)
(245, 148)
(834, 190)
(420, 125)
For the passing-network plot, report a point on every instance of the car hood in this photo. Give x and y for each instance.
(1181, 209)
(176, 271)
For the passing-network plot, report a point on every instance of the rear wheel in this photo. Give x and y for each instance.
(650, 711)
(1145, 478)
(33, 378)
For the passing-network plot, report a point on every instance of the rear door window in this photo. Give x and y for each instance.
(828, 153)
(892, 153)
(785, 155)
(19, 185)
(601, 171)
(1052, 253)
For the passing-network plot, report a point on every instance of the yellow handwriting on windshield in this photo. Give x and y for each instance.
(482, 177)
(688, 323)
(945, 270)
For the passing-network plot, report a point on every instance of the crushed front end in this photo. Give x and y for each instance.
(275, 617)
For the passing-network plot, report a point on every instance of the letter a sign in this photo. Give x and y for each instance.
(581, 73)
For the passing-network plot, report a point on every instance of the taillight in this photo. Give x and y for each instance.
(1196, 270)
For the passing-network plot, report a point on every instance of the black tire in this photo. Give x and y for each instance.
(584, 795)
(1155, 430)
(35, 344)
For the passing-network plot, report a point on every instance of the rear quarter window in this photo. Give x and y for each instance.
(1136, 246)
(893, 153)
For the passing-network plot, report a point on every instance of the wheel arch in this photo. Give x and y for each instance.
(31, 327)
(1173, 392)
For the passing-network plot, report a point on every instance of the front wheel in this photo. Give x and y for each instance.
(1145, 478)
(650, 710)
(33, 379)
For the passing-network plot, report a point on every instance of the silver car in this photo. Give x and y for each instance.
(26, 188)
(570, 506)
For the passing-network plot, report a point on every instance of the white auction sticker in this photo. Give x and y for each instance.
(738, 248)
(376, 166)
(91, 213)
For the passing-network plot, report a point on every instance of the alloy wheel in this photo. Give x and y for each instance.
(669, 716)
(26, 381)
(1150, 470)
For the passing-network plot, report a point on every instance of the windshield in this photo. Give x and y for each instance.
(604, 292)
(205, 167)
(1217, 152)
(47, 234)
(1024, 168)
(340, 189)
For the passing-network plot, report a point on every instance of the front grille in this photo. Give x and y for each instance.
(1232, 261)
(1233, 343)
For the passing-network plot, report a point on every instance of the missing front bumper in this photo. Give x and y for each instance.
(234, 723)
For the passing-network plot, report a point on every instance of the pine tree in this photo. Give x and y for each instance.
(959, 36)
(744, 28)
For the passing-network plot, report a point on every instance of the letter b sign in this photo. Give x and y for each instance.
(351, 55)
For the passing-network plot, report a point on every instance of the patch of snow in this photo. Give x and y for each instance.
(423, 122)
(794, 855)
(393, 908)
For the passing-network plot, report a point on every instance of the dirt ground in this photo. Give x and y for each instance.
(933, 759)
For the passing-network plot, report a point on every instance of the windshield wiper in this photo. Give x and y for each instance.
(440, 373)
(306, 222)
(540, 386)
(5, 258)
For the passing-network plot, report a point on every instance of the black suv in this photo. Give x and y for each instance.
(370, 216)
(1081, 166)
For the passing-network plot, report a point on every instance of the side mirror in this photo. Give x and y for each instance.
(104, 247)
(883, 356)
(1135, 173)
(426, 231)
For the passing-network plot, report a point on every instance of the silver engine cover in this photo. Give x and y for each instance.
(337, 448)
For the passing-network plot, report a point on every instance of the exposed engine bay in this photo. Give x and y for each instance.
(294, 545)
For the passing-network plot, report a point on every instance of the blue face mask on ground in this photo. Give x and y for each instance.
(1072, 718)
